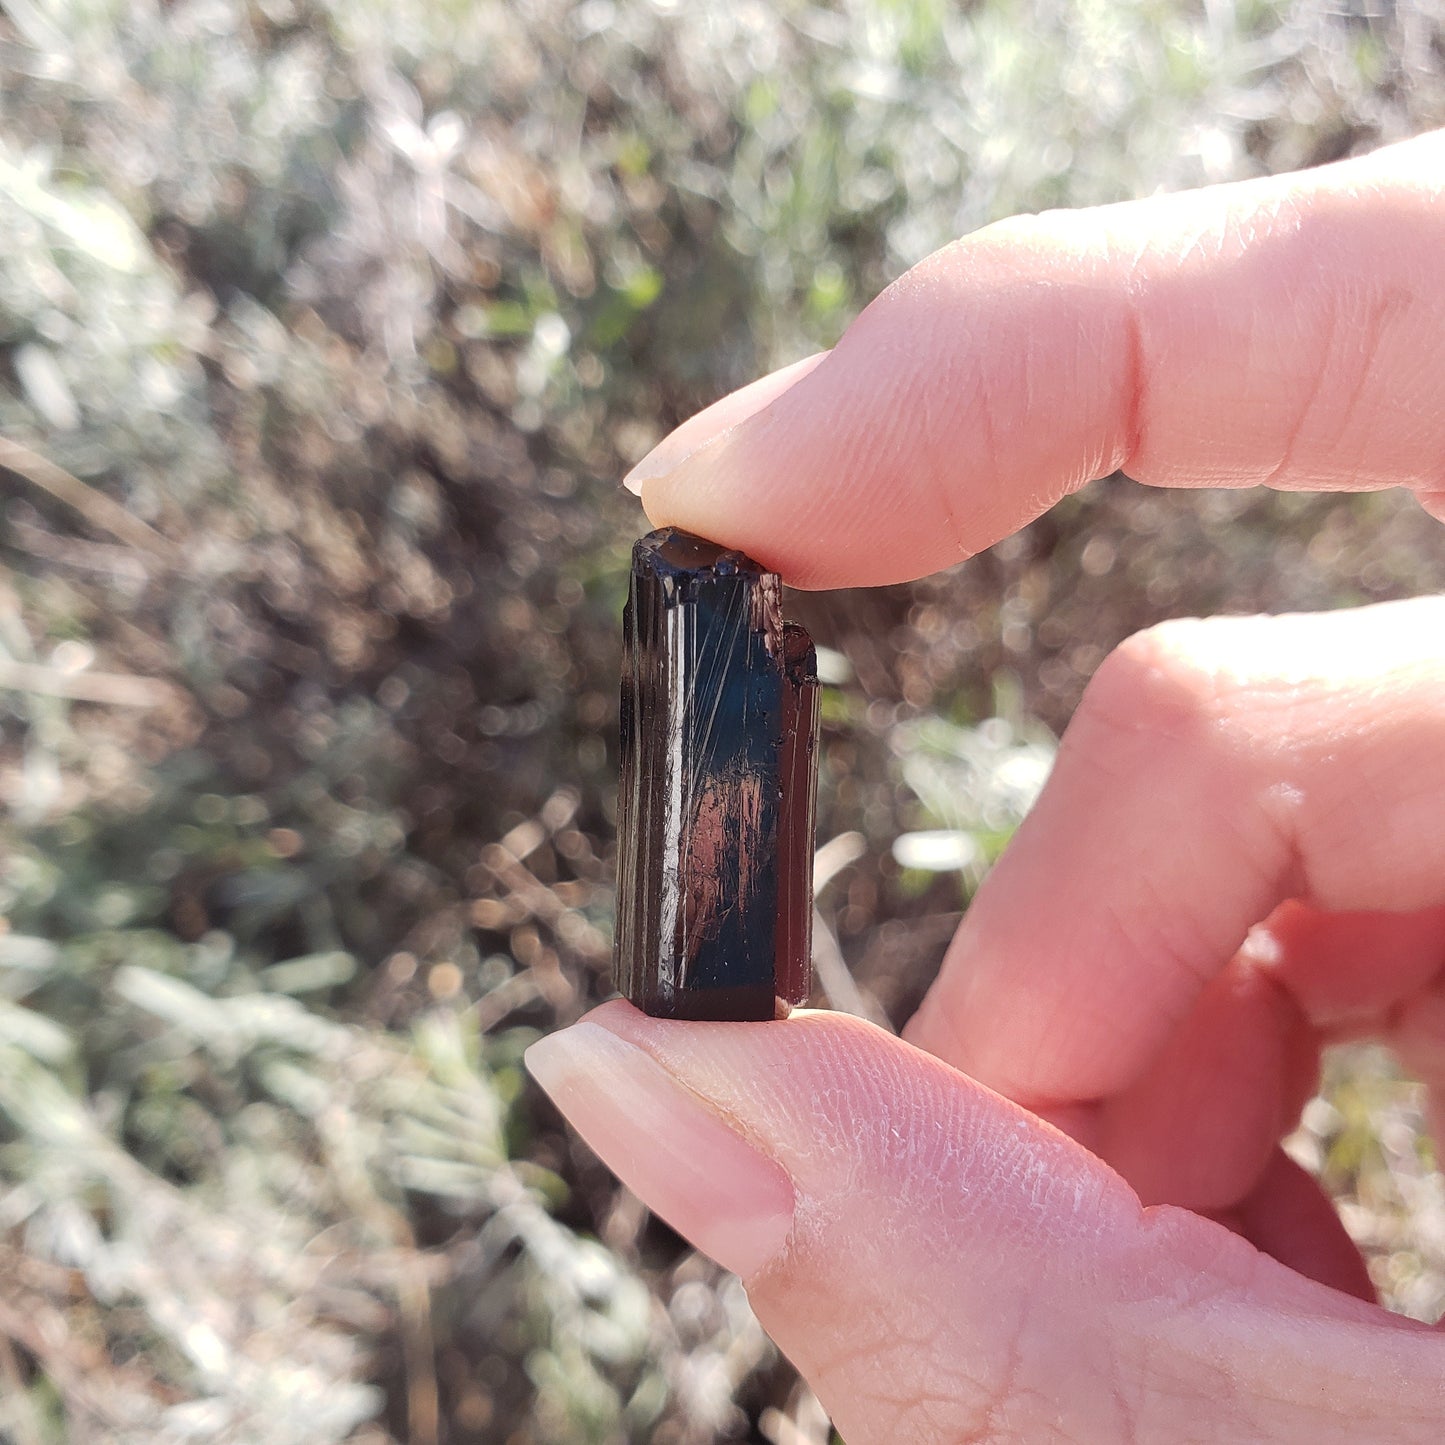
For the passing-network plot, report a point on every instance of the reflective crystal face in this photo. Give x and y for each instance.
(719, 761)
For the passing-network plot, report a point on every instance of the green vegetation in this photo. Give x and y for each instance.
(326, 327)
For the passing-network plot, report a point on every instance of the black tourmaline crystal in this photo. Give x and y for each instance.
(719, 767)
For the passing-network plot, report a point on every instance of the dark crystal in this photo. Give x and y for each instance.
(719, 768)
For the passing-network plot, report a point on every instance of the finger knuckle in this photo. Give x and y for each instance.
(1170, 683)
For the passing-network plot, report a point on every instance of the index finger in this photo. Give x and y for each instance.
(1281, 331)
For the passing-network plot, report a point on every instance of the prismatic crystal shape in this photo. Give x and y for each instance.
(719, 770)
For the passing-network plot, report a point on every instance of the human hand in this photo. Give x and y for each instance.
(1240, 853)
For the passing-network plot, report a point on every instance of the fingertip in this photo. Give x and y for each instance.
(712, 423)
(710, 1179)
(1433, 503)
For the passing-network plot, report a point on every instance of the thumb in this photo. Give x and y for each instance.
(942, 1266)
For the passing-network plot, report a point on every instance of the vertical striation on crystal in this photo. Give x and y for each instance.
(716, 806)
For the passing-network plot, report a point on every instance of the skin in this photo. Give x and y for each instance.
(1057, 1209)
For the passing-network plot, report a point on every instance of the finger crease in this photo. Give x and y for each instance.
(1136, 379)
(1324, 354)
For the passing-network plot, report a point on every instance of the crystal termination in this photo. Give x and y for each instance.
(719, 769)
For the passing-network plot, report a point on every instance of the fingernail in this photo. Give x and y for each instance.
(680, 1157)
(715, 422)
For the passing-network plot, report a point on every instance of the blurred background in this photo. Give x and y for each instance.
(327, 328)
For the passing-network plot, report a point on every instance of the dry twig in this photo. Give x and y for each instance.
(114, 689)
(101, 511)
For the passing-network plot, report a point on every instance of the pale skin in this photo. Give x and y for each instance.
(1058, 1209)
